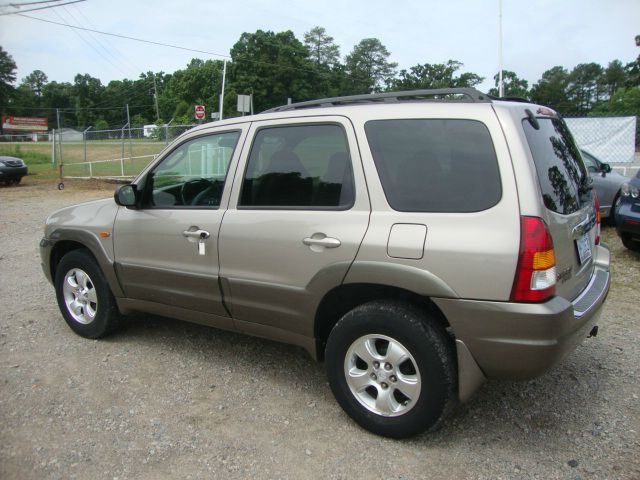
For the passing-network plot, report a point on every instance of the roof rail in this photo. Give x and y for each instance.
(435, 95)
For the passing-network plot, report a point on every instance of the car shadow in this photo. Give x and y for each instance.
(565, 401)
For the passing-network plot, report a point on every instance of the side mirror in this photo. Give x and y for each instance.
(126, 196)
(605, 167)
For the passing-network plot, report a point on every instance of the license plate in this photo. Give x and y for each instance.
(584, 248)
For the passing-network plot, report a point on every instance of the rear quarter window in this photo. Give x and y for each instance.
(435, 165)
(561, 173)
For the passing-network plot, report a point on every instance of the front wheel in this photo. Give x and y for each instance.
(392, 368)
(84, 296)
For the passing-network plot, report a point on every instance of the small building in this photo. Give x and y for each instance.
(67, 135)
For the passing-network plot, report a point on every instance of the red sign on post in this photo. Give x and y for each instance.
(199, 112)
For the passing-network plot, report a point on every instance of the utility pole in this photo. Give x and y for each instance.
(500, 83)
(59, 142)
(155, 97)
(129, 123)
(224, 76)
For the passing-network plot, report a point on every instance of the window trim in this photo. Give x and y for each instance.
(430, 212)
(339, 208)
(146, 190)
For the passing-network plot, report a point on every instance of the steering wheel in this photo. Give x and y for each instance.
(191, 188)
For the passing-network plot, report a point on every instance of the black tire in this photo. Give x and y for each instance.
(612, 212)
(429, 347)
(630, 244)
(92, 319)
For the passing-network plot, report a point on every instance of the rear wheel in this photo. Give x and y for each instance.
(392, 368)
(84, 297)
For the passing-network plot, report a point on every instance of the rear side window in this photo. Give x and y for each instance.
(561, 173)
(435, 165)
(299, 167)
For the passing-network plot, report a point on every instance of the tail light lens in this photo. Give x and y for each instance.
(535, 279)
(597, 205)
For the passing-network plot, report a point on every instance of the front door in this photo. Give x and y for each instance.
(166, 251)
(298, 213)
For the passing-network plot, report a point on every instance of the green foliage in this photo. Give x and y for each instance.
(28, 156)
(513, 85)
(252, 69)
(322, 49)
(551, 89)
(36, 80)
(435, 75)
(7, 76)
(368, 68)
(275, 66)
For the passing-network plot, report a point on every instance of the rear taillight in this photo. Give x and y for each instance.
(535, 279)
(597, 205)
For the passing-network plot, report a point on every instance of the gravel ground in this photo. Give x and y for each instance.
(164, 399)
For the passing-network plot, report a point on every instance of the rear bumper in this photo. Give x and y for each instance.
(9, 173)
(521, 341)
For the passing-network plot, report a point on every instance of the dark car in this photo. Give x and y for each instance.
(606, 182)
(628, 213)
(12, 170)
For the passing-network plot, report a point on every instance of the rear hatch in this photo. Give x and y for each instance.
(568, 197)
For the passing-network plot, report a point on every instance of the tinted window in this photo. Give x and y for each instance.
(590, 162)
(305, 166)
(561, 173)
(435, 165)
(193, 174)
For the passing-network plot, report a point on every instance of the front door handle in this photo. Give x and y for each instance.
(196, 233)
(323, 241)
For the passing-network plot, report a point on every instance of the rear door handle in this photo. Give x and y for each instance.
(326, 242)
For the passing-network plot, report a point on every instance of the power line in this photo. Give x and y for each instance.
(18, 5)
(126, 37)
(89, 44)
(39, 8)
(72, 109)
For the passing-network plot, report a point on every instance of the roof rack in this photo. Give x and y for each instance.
(434, 95)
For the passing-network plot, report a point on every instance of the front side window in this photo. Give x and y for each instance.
(193, 175)
(435, 165)
(562, 176)
(299, 167)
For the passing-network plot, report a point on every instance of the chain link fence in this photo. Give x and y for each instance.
(612, 139)
(118, 154)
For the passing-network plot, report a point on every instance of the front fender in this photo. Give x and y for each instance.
(92, 242)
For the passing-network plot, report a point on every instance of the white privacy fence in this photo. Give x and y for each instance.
(611, 139)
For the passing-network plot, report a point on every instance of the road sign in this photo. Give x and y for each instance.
(199, 112)
(244, 103)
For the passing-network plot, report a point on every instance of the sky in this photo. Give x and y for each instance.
(537, 34)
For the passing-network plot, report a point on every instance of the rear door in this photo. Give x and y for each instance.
(298, 212)
(568, 196)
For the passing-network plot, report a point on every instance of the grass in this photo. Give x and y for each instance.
(38, 156)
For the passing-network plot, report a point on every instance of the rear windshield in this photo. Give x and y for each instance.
(561, 173)
(435, 165)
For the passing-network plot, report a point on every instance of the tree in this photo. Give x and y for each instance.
(322, 49)
(513, 85)
(7, 76)
(613, 78)
(583, 87)
(274, 66)
(368, 68)
(87, 92)
(36, 80)
(551, 90)
(435, 75)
